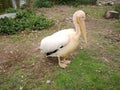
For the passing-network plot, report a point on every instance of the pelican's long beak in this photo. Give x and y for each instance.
(81, 22)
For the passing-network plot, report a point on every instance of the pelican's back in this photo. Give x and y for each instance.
(55, 41)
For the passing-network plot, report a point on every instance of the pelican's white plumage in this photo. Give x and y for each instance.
(64, 42)
(55, 41)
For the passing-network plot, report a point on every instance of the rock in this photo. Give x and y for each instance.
(109, 3)
(100, 3)
(48, 81)
(9, 15)
(22, 2)
(112, 14)
(106, 3)
(94, 1)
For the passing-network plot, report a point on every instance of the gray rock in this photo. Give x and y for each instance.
(107, 2)
(9, 15)
(112, 14)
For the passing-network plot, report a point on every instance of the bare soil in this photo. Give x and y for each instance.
(16, 48)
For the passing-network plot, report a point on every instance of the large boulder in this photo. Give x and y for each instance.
(9, 15)
(105, 2)
(112, 14)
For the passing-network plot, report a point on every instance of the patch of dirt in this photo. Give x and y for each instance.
(99, 36)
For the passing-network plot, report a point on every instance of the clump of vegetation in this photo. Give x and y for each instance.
(11, 10)
(117, 8)
(117, 25)
(49, 3)
(24, 19)
(43, 3)
(75, 2)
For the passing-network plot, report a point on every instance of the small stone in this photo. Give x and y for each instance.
(48, 81)
(33, 64)
(21, 88)
(22, 76)
(11, 52)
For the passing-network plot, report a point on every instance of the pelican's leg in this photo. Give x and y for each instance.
(61, 64)
(66, 61)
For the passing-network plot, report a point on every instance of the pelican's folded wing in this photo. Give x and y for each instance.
(53, 43)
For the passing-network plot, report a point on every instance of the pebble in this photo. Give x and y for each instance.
(48, 81)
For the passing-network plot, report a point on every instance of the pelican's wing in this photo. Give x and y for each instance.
(53, 43)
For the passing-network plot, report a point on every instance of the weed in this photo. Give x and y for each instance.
(112, 49)
(91, 12)
(117, 7)
(11, 10)
(75, 2)
(42, 3)
(23, 20)
(117, 25)
(30, 60)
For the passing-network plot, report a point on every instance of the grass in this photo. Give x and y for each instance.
(30, 60)
(117, 25)
(84, 73)
(88, 70)
(43, 3)
(87, 73)
(96, 12)
(112, 49)
(23, 20)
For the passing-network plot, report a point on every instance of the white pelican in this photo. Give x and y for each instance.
(65, 42)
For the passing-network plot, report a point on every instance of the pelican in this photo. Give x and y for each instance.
(66, 41)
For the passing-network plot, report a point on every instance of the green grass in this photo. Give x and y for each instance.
(84, 73)
(43, 3)
(23, 20)
(112, 49)
(88, 71)
(117, 26)
(30, 60)
(95, 11)
(74, 2)
(117, 7)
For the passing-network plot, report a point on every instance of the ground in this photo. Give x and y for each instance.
(19, 54)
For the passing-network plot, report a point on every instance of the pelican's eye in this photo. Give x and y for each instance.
(83, 17)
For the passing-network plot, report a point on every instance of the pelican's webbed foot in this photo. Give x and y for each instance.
(62, 64)
(67, 61)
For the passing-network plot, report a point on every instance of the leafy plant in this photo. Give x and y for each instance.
(40, 23)
(24, 14)
(43, 3)
(117, 25)
(11, 10)
(117, 8)
(24, 19)
(76, 2)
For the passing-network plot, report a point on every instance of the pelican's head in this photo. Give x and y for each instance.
(80, 14)
(79, 20)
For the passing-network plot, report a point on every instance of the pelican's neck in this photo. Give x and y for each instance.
(77, 28)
